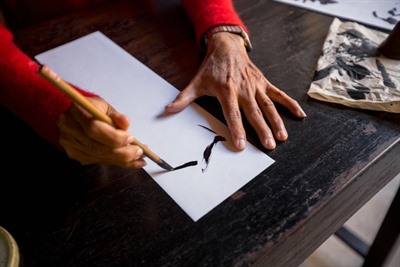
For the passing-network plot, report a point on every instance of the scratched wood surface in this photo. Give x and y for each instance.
(335, 160)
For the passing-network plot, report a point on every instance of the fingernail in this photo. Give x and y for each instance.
(139, 152)
(282, 135)
(130, 140)
(270, 143)
(241, 144)
(301, 113)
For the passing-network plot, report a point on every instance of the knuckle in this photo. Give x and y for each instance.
(294, 102)
(277, 121)
(266, 103)
(255, 113)
(234, 115)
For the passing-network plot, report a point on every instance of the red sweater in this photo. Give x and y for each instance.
(33, 99)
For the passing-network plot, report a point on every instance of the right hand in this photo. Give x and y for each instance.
(91, 141)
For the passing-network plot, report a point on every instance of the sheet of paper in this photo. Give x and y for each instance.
(350, 71)
(95, 63)
(378, 13)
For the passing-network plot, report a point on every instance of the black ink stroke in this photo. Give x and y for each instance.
(358, 92)
(390, 19)
(187, 164)
(208, 150)
(322, 2)
(206, 128)
(385, 75)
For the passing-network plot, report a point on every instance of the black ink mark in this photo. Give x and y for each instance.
(359, 46)
(206, 128)
(393, 12)
(207, 151)
(355, 71)
(322, 2)
(390, 19)
(385, 75)
(188, 164)
(358, 92)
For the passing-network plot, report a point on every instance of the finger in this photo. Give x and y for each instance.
(256, 118)
(106, 134)
(121, 121)
(269, 110)
(68, 127)
(282, 98)
(100, 131)
(233, 118)
(84, 144)
(136, 164)
(71, 140)
(123, 156)
(84, 159)
(183, 99)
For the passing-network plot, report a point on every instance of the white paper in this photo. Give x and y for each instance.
(97, 64)
(379, 13)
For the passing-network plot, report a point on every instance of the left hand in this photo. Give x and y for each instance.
(228, 74)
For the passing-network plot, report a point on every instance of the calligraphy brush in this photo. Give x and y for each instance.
(79, 99)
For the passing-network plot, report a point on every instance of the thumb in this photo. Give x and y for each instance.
(182, 100)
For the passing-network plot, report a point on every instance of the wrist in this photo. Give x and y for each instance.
(234, 29)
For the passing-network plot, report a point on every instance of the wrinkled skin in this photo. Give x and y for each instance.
(91, 141)
(228, 74)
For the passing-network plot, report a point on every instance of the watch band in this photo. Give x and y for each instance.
(236, 29)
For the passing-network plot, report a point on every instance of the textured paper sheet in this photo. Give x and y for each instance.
(97, 64)
(351, 72)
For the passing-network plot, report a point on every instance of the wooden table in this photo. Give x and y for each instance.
(335, 160)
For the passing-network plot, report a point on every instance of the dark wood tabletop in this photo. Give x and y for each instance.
(337, 158)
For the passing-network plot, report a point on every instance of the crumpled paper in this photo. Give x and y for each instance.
(351, 71)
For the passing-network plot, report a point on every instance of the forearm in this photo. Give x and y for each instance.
(25, 93)
(204, 14)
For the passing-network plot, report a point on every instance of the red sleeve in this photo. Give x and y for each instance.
(26, 94)
(204, 14)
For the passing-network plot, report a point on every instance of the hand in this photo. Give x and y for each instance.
(91, 141)
(228, 74)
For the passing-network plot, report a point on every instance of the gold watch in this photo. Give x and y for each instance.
(236, 29)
